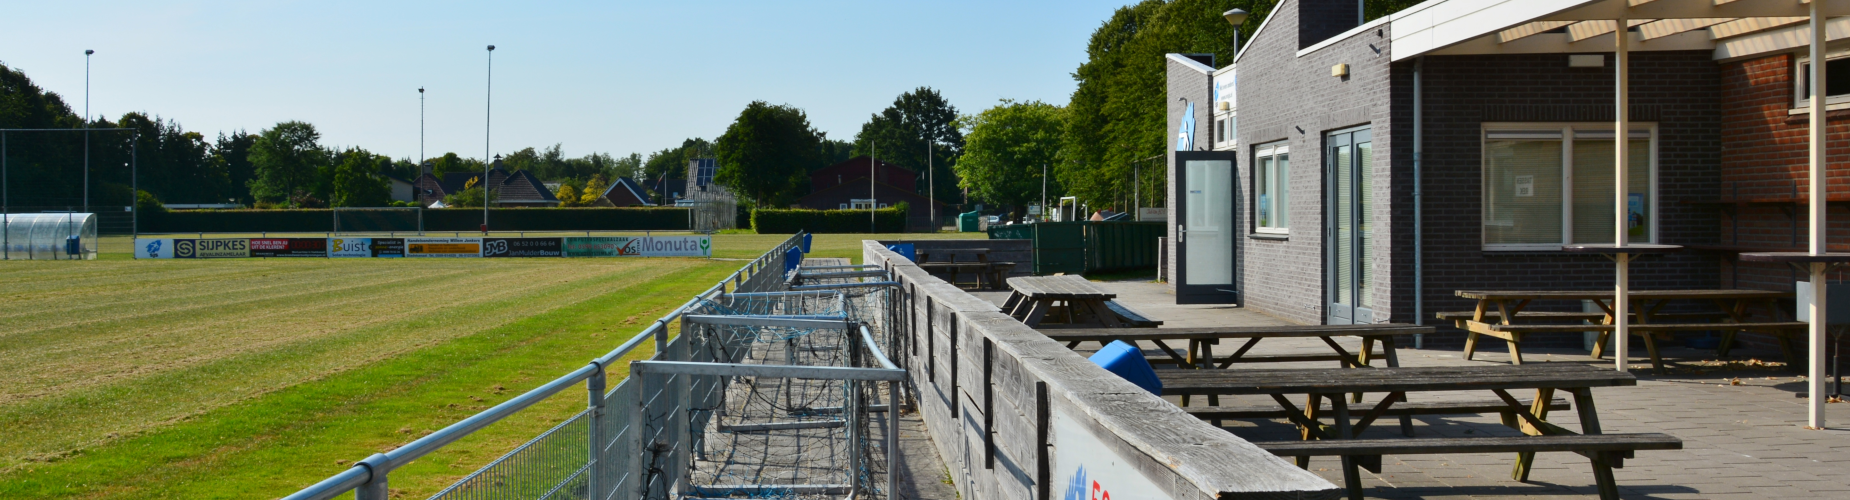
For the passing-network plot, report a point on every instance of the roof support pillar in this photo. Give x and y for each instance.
(1816, 375)
(1621, 221)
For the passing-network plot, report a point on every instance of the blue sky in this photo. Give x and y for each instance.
(614, 77)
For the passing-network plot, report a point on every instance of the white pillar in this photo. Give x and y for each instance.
(1815, 381)
(1621, 302)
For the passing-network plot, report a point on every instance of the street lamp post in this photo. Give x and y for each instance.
(421, 157)
(1237, 17)
(487, 123)
(87, 54)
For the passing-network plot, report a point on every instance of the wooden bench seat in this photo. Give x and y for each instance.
(1492, 316)
(1425, 408)
(1278, 358)
(1650, 332)
(1131, 316)
(1607, 451)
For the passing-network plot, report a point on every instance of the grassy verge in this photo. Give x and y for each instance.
(271, 444)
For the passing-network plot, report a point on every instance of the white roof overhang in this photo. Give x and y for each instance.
(1731, 28)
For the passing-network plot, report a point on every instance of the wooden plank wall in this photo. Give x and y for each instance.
(986, 386)
(1021, 252)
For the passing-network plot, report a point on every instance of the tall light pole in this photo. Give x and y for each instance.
(87, 54)
(931, 184)
(421, 127)
(487, 123)
(1237, 17)
(873, 205)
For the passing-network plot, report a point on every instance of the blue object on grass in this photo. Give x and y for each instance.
(905, 249)
(806, 238)
(1127, 361)
(792, 259)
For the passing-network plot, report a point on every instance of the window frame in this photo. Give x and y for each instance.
(1801, 103)
(1271, 150)
(1226, 138)
(1567, 137)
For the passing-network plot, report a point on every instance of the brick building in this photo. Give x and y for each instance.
(1313, 217)
(846, 185)
(517, 188)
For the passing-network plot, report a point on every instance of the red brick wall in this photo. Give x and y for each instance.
(1764, 156)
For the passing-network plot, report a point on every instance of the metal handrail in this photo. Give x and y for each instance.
(371, 472)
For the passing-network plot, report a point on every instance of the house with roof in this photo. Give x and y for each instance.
(1340, 171)
(517, 188)
(861, 182)
(625, 192)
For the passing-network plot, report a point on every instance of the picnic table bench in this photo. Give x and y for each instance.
(1069, 301)
(988, 274)
(1606, 451)
(1501, 314)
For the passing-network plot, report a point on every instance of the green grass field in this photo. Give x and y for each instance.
(251, 378)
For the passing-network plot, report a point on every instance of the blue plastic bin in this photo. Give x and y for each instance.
(1127, 361)
(905, 249)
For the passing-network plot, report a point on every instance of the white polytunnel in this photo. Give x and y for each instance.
(48, 236)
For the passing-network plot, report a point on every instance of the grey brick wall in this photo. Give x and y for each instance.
(1285, 97)
(1186, 84)
(1680, 91)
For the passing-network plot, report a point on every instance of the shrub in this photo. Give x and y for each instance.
(789, 221)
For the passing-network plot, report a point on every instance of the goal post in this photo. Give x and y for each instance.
(359, 220)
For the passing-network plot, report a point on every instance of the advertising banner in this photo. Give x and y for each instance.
(366, 247)
(672, 246)
(522, 247)
(153, 248)
(1090, 469)
(289, 247)
(218, 248)
(596, 246)
(443, 247)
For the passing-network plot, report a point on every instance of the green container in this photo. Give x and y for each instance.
(1086, 246)
(969, 222)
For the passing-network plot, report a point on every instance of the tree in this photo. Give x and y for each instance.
(902, 133)
(232, 154)
(450, 162)
(593, 189)
(1006, 148)
(766, 155)
(671, 163)
(627, 166)
(358, 182)
(471, 195)
(568, 196)
(286, 159)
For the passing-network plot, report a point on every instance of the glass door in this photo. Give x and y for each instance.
(1205, 228)
(1347, 158)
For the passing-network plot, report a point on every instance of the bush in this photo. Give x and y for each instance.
(789, 221)
(435, 220)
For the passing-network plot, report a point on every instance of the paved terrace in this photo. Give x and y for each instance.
(1740, 441)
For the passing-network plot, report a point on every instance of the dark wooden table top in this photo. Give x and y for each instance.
(1633, 248)
(1796, 257)
(1421, 379)
(1735, 294)
(1058, 288)
(1100, 334)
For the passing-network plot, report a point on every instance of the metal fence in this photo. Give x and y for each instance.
(589, 456)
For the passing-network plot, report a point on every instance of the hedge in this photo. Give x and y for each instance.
(436, 219)
(791, 220)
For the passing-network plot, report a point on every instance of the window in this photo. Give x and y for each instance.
(1271, 183)
(1836, 84)
(1548, 185)
(1226, 131)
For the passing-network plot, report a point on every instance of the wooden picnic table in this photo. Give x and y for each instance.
(1069, 301)
(1530, 419)
(988, 274)
(1501, 314)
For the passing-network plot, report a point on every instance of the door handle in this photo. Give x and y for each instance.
(1181, 233)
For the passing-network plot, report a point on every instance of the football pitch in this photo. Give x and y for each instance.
(251, 378)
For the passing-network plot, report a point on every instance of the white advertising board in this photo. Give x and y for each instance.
(1089, 469)
(153, 248)
(350, 247)
(671, 246)
(443, 247)
(1158, 214)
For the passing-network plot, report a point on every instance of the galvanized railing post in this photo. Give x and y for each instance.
(375, 486)
(594, 413)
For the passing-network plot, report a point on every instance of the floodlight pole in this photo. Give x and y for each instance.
(134, 187)
(931, 185)
(487, 122)
(6, 212)
(420, 129)
(87, 53)
(873, 202)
